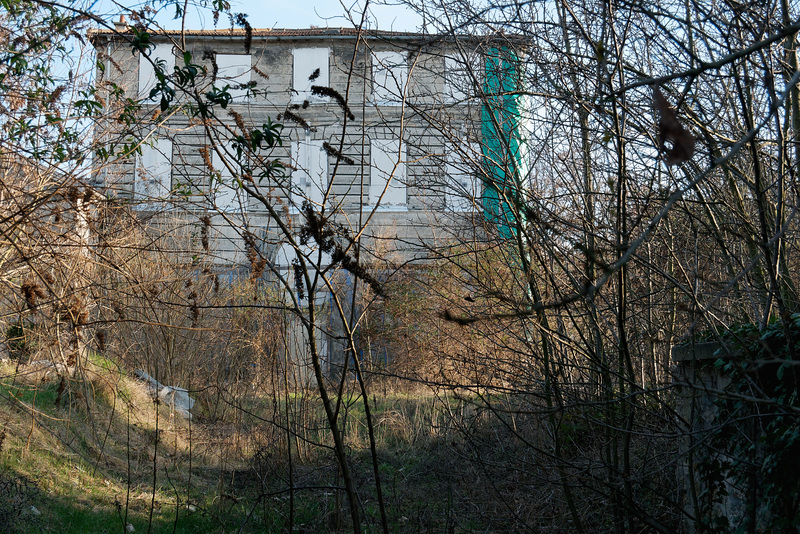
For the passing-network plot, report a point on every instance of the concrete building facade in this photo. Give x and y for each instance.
(379, 131)
(379, 134)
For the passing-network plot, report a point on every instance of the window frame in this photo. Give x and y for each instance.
(153, 173)
(393, 152)
(147, 74)
(389, 75)
(301, 85)
(240, 79)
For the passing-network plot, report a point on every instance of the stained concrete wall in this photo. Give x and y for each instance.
(428, 124)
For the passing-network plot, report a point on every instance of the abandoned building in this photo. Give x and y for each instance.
(384, 134)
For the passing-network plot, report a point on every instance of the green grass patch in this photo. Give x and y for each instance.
(41, 396)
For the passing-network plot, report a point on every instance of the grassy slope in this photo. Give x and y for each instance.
(88, 459)
(85, 457)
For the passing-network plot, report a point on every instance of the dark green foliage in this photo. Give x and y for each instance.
(253, 143)
(757, 429)
(268, 136)
(220, 97)
(16, 497)
(162, 86)
(20, 340)
(186, 76)
(140, 42)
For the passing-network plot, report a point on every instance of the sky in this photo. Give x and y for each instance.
(298, 14)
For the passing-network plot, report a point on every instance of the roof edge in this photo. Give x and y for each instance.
(269, 32)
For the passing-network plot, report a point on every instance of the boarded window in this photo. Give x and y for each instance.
(462, 184)
(389, 77)
(387, 174)
(153, 180)
(162, 56)
(234, 71)
(311, 67)
(310, 180)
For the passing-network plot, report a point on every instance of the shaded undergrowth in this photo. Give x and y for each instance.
(106, 456)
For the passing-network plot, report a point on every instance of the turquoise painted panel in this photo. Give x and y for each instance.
(501, 120)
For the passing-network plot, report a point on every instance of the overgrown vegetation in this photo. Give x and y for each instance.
(94, 468)
(514, 373)
(749, 468)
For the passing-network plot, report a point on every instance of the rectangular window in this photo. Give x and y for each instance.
(153, 176)
(461, 77)
(234, 71)
(389, 77)
(162, 56)
(311, 67)
(387, 187)
(310, 180)
(462, 185)
(225, 194)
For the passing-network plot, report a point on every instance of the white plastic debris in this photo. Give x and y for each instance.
(173, 396)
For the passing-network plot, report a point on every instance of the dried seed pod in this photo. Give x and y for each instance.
(671, 130)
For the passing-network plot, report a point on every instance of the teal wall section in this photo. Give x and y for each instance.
(503, 150)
